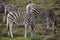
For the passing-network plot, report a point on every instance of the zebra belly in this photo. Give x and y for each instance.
(20, 22)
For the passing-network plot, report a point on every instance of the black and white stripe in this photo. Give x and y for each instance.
(16, 17)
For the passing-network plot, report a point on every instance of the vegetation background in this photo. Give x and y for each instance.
(40, 28)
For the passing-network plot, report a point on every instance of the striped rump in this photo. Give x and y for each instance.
(16, 17)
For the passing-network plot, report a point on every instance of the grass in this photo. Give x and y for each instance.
(36, 37)
(19, 35)
(40, 29)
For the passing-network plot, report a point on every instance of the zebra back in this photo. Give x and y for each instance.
(43, 13)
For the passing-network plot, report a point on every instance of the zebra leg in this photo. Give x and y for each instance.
(25, 30)
(10, 29)
(32, 30)
(7, 25)
(8, 32)
(4, 19)
(54, 26)
(47, 19)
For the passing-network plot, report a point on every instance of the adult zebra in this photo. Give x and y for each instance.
(40, 13)
(4, 8)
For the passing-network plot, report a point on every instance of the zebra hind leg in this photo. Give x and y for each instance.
(4, 19)
(47, 30)
(25, 30)
(54, 25)
(10, 29)
(7, 25)
(32, 30)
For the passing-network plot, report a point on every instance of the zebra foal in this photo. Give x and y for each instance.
(19, 19)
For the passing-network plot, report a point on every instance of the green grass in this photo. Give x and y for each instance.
(36, 37)
(40, 29)
(19, 35)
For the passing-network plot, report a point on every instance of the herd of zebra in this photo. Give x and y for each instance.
(12, 15)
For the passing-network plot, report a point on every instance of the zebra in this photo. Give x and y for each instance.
(4, 8)
(46, 13)
(31, 16)
(19, 19)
